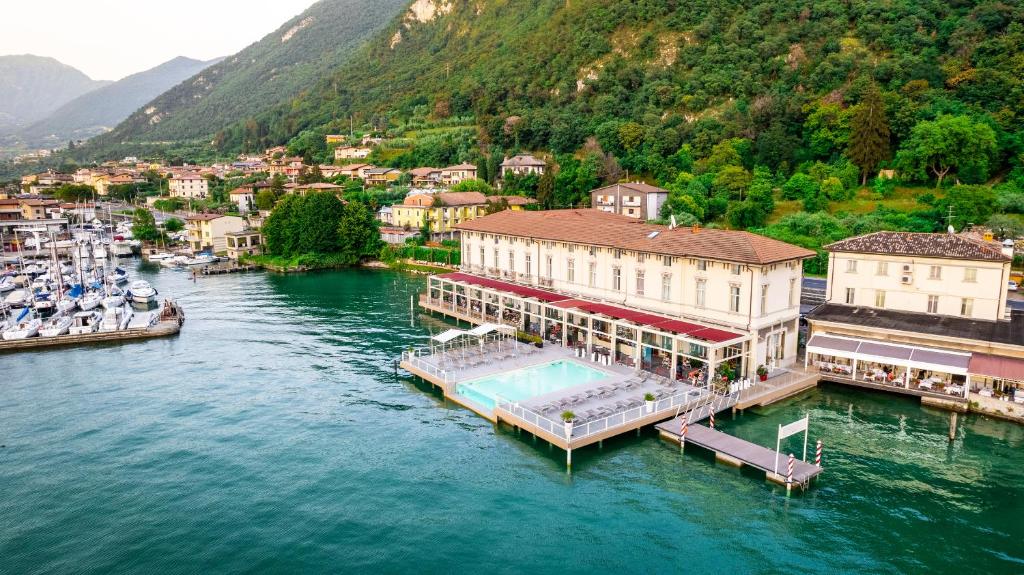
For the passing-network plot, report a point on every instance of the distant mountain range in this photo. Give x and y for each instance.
(31, 87)
(99, 110)
(264, 75)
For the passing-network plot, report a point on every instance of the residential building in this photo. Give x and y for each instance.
(351, 153)
(381, 177)
(919, 313)
(452, 175)
(244, 197)
(426, 177)
(303, 189)
(385, 215)
(248, 242)
(189, 185)
(670, 300)
(445, 210)
(356, 171)
(335, 138)
(35, 209)
(633, 199)
(522, 165)
(10, 210)
(207, 232)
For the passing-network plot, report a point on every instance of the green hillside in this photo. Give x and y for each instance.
(274, 70)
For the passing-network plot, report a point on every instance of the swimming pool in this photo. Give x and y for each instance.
(528, 382)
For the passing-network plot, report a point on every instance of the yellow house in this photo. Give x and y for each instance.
(209, 231)
(445, 210)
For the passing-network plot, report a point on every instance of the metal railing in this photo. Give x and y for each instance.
(413, 359)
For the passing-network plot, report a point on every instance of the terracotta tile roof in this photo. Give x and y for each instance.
(423, 172)
(595, 227)
(460, 167)
(512, 200)
(950, 246)
(522, 160)
(638, 187)
(318, 186)
(449, 199)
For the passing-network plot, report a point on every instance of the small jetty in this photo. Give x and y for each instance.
(231, 268)
(171, 318)
(739, 452)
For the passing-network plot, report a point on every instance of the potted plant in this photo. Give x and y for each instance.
(649, 402)
(568, 418)
(762, 372)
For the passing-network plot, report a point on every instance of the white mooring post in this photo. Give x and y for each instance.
(789, 474)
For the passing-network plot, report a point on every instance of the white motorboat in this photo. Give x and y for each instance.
(58, 324)
(17, 297)
(43, 300)
(116, 318)
(85, 322)
(24, 327)
(200, 260)
(90, 301)
(118, 276)
(175, 261)
(6, 284)
(141, 292)
(161, 256)
(114, 300)
(99, 251)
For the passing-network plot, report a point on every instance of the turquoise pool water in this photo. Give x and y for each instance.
(529, 382)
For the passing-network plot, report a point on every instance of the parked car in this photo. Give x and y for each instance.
(1011, 286)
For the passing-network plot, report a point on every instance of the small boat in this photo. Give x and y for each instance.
(43, 300)
(161, 256)
(116, 318)
(58, 324)
(200, 260)
(17, 297)
(66, 304)
(99, 251)
(90, 301)
(175, 261)
(24, 327)
(6, 284)
(85, 322)
(141, 292)
(115, 299)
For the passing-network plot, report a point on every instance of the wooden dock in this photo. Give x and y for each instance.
(213, 270)
(739, 452)
(170, 324)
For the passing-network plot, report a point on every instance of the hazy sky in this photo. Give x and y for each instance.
(110, 39)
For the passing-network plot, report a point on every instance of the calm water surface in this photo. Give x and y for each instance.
(273, 435)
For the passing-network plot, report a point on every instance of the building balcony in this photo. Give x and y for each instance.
(605, 202)
(632, 204)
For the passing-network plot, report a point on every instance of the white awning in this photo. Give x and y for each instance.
(445, 337)
(484, 329)
(890, 353)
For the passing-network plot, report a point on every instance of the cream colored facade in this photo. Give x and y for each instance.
(209, 233)
(190, 186)
(974, 289)
(759, 300)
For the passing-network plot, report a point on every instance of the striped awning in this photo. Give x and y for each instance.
(886, 353)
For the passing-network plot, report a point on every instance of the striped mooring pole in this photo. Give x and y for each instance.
(682, 436)
(817, 455)
(712, 418)
(789, 473)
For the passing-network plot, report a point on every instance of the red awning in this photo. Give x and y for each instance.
(996, 366)
(692, 330)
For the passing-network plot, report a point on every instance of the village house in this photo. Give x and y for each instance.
(10, 209)
(385, 215)
(381, 177)
(445, 210)
(36, 209)
(356, 171)
(922, 314)
(244, 242)
(351, 153)
(189, 185)
(522, 165)
(303, 189)
(452, 175)
(633, 199)
(244, 197)
(207, 232)
(672, 301)
(335, 138)
(103, 182)
(330, 171)
(425, 177)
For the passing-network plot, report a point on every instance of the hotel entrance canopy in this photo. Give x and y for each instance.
(887, 353)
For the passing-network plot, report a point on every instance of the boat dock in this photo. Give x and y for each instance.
(212, 270)
(739, 452)
(171, 320)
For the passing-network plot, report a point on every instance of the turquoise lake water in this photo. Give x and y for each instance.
(521, 384)
(273, 435)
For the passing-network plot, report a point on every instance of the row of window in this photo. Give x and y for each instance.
(966, 304)
(934, 272)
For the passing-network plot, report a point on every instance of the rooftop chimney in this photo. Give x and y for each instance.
(696, 228)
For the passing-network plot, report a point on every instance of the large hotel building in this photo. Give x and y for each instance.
(677, 301)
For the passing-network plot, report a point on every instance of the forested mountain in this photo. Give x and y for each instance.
(100, 110)
(33, 86)
(272, 71)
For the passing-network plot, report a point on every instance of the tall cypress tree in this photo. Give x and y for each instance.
(869, 133)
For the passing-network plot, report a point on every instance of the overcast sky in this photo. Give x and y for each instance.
(111, 39)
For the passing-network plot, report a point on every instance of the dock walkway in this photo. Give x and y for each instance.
(740, 452)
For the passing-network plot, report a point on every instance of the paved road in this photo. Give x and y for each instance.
(1015, 301)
